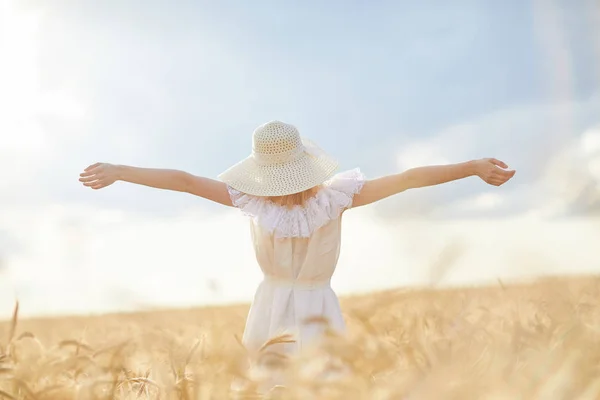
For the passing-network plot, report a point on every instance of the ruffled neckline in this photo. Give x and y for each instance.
(327, 204)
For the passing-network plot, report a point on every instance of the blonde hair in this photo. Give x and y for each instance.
(295, 199)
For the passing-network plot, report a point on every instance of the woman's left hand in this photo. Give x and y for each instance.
(99, 175)
(493, 171)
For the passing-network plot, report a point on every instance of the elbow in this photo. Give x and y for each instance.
(406, 180)
(185, 182)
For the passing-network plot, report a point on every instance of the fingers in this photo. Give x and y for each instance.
(92, 169)
(498, 179)
(98, 184)
(504, 173)
(93, 177)
(498, 163)
(495, 173)
(90, 172)
(92, 166)
(90, 178)
(93, 183)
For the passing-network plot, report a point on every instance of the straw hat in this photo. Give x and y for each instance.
(282, 162)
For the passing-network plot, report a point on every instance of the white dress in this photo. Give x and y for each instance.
(297, 250)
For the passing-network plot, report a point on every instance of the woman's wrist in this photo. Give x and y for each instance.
(120, 172)
(471, 168)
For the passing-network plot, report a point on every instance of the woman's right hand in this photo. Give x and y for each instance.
(99, 175)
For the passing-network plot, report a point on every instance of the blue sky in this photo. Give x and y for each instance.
(382, 86)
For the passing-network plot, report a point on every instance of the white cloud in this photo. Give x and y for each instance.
(590, 141)
(590, 144)
(571, 180)
(418, 154)
(483, 202)
(554, 160)
(80, 259)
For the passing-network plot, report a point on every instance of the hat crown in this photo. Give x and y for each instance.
(282, 162)
(276, 137)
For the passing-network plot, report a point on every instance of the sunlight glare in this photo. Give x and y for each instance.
(19, 82)
(22, 100)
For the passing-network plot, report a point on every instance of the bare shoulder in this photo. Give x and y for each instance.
(366, 194)
(379, 188)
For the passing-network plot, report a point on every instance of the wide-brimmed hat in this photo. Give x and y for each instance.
(282, 162)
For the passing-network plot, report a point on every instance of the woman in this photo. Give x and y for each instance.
(289, 188)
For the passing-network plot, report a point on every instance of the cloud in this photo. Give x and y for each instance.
(572, 179)
(419, 153)
(567, 187)
(531, 139)
(78, 258)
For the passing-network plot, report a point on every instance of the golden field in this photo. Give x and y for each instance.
(538, 340)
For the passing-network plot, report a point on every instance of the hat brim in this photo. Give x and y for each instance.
(311, 169)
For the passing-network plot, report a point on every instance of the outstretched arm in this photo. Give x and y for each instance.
(490, 170)
(100, 175)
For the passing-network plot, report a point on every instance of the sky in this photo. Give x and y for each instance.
(383, 86)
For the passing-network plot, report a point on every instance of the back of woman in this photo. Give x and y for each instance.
(297, 247)
(295, 201)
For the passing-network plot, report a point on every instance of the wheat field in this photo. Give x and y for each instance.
(536, 340)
